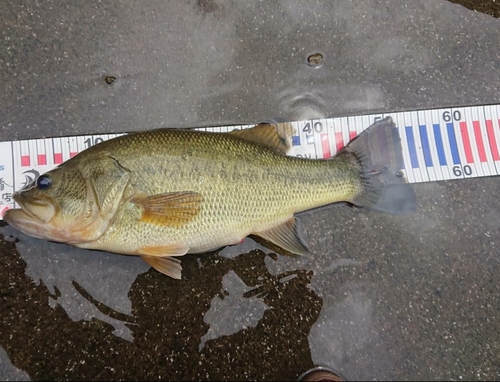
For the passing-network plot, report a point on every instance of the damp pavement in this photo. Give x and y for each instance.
(384, 297)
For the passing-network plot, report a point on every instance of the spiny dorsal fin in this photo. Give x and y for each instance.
(276, 136)
(170, 209)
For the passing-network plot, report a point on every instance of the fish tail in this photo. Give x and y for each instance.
(379, 154)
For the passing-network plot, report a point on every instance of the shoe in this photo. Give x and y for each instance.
(320, 374)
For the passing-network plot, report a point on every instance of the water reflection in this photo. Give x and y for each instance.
(223, 307)
(232, 251)
(305, 102)
(71, 275)
(231, 311)
(8, 371)
(343, 322)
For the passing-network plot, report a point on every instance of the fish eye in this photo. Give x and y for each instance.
(43, 182)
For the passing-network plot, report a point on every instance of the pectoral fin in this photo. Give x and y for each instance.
(171, 209)
(277, 136)
(286, 236)
(169, 266)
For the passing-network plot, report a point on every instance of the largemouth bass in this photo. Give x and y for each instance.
(163, 193)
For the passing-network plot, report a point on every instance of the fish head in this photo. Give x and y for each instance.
(59, 205)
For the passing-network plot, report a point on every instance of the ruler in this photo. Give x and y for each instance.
(438, 144)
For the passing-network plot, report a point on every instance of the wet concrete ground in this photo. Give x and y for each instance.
(413, 297)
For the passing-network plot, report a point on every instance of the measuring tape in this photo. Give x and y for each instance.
(438, 144)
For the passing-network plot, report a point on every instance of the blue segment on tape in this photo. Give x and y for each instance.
(411, 147)
(453, 143)
(296, 140)
(425, 145)
(439, 144)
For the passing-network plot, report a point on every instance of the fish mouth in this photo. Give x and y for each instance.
(36, 209)
(24, 222)
(32, 217)
(41, 219)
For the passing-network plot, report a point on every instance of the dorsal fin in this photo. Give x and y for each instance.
(276, 136)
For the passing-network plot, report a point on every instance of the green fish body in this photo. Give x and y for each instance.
(164, 193)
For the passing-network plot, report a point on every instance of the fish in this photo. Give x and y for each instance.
(164, 193)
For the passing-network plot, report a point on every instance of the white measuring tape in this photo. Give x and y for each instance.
(438, 144)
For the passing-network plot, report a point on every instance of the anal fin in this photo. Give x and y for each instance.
(286, 236)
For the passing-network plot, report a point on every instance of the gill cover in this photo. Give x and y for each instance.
(107, 183)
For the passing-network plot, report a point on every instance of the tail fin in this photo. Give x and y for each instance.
(378, 150)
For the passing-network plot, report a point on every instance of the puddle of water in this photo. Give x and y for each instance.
(232, 312)
(8, 371)
(232, 251)
(64, 269)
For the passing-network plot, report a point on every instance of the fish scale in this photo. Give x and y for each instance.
(269, 185)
